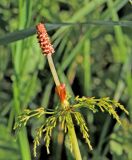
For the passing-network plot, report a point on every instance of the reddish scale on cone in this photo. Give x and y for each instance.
(61, 91)
(44, 40)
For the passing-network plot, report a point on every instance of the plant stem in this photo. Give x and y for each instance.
(71, 130)
(74, 142)
(22, 136)
(53, 70)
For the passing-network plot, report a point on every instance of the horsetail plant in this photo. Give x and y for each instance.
(66, 111)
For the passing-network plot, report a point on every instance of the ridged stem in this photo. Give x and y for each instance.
(71, 130)
(53, 70)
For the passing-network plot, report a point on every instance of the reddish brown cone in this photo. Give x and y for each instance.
(44, 40)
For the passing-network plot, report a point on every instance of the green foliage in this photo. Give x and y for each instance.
(92, 58)
(83, 128)
(62, 116)
(8, 145)
(104, 104)
(121, 141)
(26, 115)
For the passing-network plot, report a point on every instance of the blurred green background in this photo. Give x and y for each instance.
(93, 59)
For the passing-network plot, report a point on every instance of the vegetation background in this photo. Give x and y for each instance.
(93, 59)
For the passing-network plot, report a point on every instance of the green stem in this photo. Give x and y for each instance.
(22, 136)
(71, 130)
(74, 142)
(36, 114)
(11, 120)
